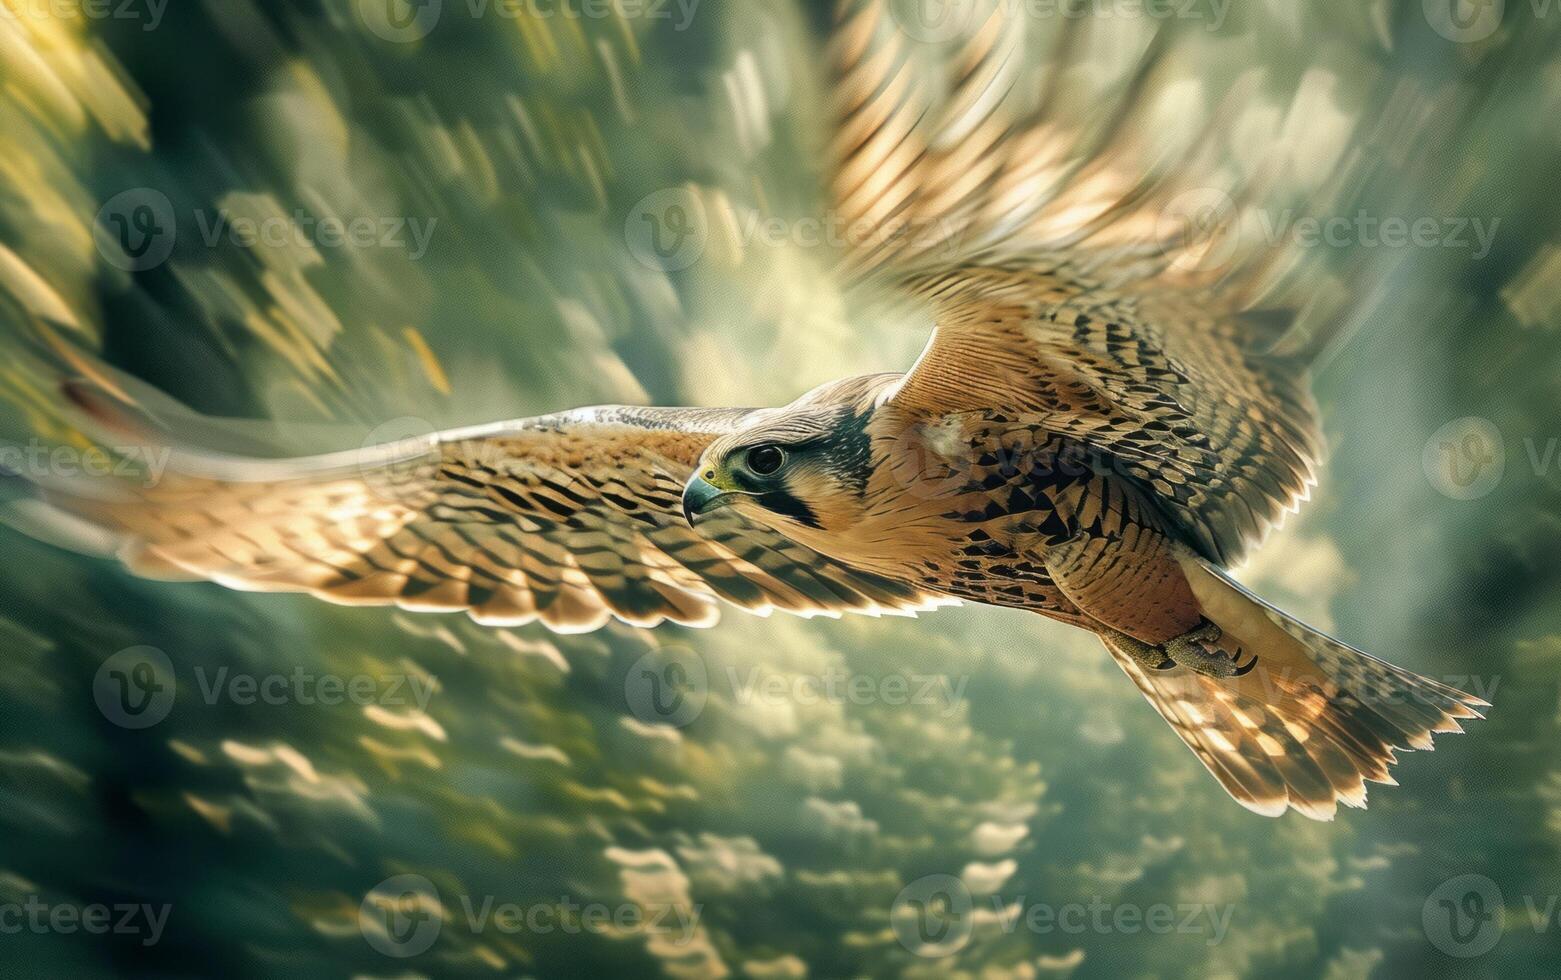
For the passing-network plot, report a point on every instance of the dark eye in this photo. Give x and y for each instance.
(765, 460)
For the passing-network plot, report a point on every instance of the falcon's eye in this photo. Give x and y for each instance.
(765, 460)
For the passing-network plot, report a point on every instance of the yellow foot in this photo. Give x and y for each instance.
(1146, 656)
(1200, 650)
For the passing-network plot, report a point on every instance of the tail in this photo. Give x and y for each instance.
(1313, 719)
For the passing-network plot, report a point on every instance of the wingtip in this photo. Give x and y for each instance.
(1319, 810)
(1272, 808)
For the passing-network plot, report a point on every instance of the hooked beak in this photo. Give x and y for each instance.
(701, 497)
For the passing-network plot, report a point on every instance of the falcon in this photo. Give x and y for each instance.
(1101, 424)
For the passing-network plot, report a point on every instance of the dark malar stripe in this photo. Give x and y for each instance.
(782, 502)
(853, 456)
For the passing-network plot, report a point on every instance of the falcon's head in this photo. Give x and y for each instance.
(801, 470)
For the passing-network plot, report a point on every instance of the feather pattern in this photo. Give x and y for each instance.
(569, 519)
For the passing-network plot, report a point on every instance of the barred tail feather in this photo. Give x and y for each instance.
(1311, 723)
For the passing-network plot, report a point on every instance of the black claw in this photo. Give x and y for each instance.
(1240, 670)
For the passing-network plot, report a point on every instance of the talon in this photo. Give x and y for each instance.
(1197, 650)
(1242, 671)
(1146, 656)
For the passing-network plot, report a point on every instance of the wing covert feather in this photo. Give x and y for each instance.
(1083, 233)
(570, 519)
(1168, 390)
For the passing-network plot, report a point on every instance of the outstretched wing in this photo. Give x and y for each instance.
(1087, 274)
(933, 168)
(568, 519)
(1167, 389)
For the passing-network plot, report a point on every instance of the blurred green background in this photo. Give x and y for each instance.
(485, 165)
